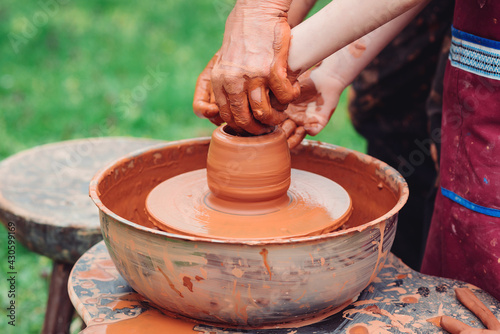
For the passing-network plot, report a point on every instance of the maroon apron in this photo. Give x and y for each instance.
(464, 239)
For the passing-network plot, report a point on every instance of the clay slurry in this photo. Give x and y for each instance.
(248, 191)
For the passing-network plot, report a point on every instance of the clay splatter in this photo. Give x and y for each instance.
(358, 329)
(172, 286)
(237, 272)
(264, 253)
(186, 281)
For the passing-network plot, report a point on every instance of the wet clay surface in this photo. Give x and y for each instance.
(125, 189)
(249, 283)
(111, 306)
(185, 205)
(248, 169)
(245, 193)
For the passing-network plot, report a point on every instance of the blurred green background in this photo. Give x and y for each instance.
(74, 69)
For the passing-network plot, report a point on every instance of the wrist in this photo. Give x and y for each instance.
(330, 79)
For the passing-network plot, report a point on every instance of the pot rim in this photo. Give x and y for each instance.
(103, 172)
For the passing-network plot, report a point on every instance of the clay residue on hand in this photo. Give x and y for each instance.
(252, 64)
(357, 48)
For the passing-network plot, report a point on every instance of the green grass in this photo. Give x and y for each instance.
(80, 72)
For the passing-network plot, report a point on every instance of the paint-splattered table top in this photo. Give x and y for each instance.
(44, 191)
(399, 300)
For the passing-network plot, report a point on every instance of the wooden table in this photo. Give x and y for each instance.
(399, 300)
(44, 197)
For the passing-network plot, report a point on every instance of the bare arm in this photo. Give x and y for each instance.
(253, 58)
(338, 24)
(321, 86)
(299, 10)
(345, 65)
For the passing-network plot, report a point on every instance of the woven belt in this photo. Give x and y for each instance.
(475, 54)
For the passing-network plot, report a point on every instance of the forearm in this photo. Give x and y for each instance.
(338, 24)
(299, 10)
(346, 64)
(268, 7)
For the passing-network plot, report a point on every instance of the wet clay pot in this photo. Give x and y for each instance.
(249, 283)
(248, 192)
(248, 169)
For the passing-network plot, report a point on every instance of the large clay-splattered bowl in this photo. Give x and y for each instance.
(238, 283)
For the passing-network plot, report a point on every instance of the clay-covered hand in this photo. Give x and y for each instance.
(250, 79)
(294, 133)
(204, 102)
(320, 94)
(469, 300)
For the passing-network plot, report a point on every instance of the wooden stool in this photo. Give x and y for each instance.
(399, 300)
(44, 195)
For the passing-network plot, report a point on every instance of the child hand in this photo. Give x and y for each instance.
(318, 100)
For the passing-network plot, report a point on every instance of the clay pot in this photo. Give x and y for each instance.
(240, 283)
(248, 169)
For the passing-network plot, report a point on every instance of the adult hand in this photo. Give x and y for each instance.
(204, 106)
(469, 300)
(320, 94)
(204, 102)
(294, 133)
(249, 79)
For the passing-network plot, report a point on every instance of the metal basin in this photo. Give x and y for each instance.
(249, 284)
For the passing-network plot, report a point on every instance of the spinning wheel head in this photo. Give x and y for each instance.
(248, 191)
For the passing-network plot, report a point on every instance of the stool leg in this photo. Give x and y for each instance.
(59, 308)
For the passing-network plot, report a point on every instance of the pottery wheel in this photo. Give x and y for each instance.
(184, 204)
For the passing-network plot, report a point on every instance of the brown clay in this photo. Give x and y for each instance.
(254, 168)
(409, 299)
(264, 252)
(122, 189)
(151, 322)
(184, 205)
(128, 199)
(97, 274)
(358, 329)
(248, 179)
(469, 300)
(436, 321)
(357, 48)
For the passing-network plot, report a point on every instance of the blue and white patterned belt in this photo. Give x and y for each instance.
(475, 54)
